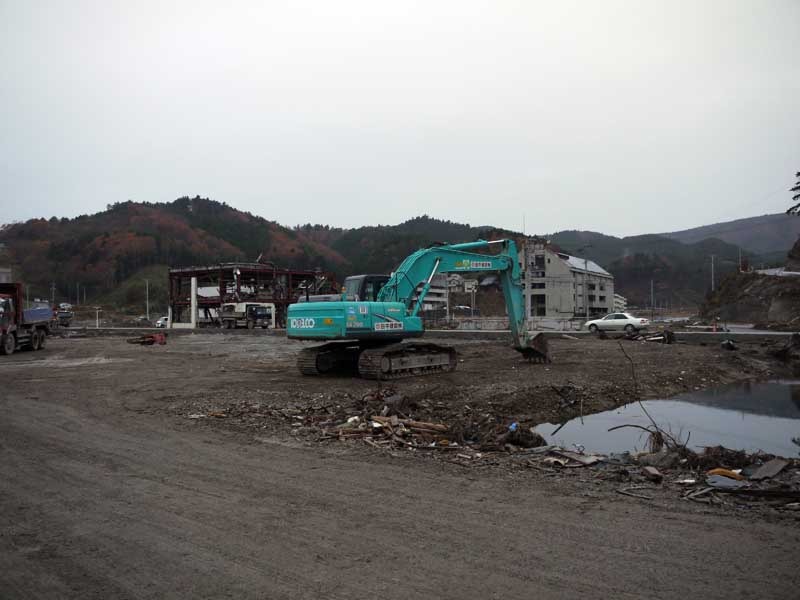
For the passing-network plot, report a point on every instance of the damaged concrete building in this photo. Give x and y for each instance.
(197, 293)
(563, 287)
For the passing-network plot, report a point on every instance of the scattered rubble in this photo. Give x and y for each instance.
(770, 469)
(385, 419)
(652, 474)
(481, 417)
(786, 353)
(150, 339)
(664, 336)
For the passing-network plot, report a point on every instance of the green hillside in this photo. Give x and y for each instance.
(110, 252)
(101, 252)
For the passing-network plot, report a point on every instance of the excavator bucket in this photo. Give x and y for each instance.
(537, 349)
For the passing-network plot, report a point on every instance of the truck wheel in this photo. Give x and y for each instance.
(8, 344)
(35, 339)
(42, 339)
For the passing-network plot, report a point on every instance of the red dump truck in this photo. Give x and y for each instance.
(21, 328)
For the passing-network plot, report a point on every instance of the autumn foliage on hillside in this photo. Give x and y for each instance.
(100, 251)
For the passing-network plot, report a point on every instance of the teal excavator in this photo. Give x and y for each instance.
(365, 327)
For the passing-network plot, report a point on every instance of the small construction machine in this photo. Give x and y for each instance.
(366, 326)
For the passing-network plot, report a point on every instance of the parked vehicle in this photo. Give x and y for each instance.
(64, 317)
(618, 322)
(22, 328)
(248, 314)
(162, 322)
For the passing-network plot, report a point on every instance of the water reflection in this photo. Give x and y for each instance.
(753, 416)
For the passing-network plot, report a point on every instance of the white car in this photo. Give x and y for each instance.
(618, 322)
(162, 322)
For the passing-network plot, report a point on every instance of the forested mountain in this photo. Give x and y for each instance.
(380, 249)
(103, 251)
(764, 235)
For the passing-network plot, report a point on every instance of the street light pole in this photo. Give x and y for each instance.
(712, 272)
(147, 297)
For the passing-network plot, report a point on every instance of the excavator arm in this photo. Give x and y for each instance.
(421, 266)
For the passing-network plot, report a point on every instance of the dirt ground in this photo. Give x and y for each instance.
(116, 482)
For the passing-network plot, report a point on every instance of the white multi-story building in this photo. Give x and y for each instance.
(560, 286)
(620, 303)
(436, 298)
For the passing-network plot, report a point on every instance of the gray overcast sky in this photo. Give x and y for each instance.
(622, 117)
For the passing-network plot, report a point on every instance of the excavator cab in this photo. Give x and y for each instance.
(364, 288)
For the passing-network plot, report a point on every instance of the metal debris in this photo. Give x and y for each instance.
(769, 469)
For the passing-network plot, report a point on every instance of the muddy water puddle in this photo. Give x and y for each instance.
(753, 416)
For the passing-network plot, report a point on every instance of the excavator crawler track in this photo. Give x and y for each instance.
(406, 360)
(328, 359)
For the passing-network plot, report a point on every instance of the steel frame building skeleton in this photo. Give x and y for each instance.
(239, 282)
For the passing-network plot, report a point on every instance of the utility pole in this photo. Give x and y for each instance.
(652, 298)
(77, 294)
(712, 272)
(446, 300)
(585, 285)
(582, 250)
(472, 307)
(528, 258)
(147, 297)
